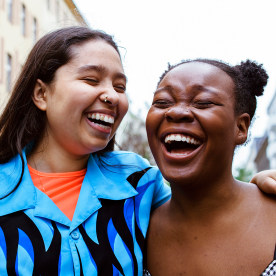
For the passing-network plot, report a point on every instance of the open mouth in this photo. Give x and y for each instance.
(181, 144)
(103, 120)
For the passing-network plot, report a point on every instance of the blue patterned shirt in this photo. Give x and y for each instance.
(107, 233)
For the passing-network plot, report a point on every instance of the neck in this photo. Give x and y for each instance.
(205, 198)
(49, 159)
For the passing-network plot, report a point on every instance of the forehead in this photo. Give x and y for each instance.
(197, 74)
(95, 51)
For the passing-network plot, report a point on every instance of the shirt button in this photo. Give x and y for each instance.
(75, 235)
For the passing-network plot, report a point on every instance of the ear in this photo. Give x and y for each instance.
(39, 95)
(243, 123)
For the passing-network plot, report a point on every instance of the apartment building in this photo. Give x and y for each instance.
(22, 22)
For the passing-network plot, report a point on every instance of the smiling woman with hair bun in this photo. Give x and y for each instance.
(213, 224)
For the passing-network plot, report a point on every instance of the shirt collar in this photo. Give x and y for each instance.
(105, 178)
(46, 208)
(100, 182)
(26, 195)
(108, 178)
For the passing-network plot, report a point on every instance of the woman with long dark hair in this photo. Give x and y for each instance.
(70, 205)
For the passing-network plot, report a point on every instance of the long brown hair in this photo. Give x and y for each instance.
(21, 121)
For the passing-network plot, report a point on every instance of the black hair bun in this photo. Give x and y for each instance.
(253, 76)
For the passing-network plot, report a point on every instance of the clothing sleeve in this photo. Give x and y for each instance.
(162, 191)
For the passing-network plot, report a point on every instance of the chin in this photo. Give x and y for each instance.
(180, 176)
(172, 177)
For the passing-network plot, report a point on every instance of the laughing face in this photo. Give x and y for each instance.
(191, 125)
(86, 101)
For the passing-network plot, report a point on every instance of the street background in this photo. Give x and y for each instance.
(152, 33)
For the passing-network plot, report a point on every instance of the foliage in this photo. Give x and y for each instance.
(134, 137)
(243, 175)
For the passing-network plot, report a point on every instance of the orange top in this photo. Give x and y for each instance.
(62, 188)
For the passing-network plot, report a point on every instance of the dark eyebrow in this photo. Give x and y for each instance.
(91, 68)
(207, 89)
(100, 69)
(166, 88)
(195, 88)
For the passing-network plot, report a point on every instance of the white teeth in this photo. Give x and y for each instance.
(101, 117)
(103, 126)
(180, 137)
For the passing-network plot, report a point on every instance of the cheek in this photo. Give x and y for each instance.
(148, 122)
(216, 121)
(123, 105)
(152, 124)
(219, 129)
(67, 99)
(155, 118)
(152, 119)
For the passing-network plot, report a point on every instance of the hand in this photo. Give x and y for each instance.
(266, 181)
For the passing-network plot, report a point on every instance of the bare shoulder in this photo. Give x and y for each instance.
(158, 227)
(159, 247)
(159, 216)
(261, 200)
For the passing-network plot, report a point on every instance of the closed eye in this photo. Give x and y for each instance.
(204, 104)
(161, 103)
(91, 81)
(120, 88)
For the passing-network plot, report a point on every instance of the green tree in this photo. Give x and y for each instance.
(243, 175)
(133, 137)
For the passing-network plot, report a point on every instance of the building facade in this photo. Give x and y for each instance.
(271, 130)
(22, 23)
(263, 149)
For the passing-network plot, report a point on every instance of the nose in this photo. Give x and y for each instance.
(110, 96)
(179, 113)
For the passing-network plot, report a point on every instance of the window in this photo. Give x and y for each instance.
(9, 9)
(23, 20)
(34, 30)
(8, 72)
